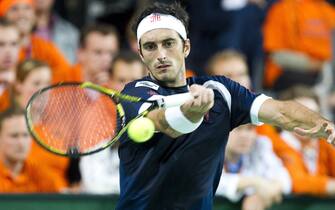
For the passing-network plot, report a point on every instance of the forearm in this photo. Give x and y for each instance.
(289, 115)
(158, 116)
(176, 121)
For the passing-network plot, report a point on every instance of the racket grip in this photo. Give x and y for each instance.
(177, 99)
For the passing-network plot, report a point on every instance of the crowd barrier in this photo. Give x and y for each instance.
(108, 202)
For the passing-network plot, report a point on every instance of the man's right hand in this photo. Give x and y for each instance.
(202, 102)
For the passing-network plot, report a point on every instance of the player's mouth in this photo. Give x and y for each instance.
(163, 66)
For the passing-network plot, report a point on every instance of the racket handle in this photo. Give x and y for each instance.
(177, 99)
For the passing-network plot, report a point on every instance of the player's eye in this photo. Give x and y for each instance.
(168, 43)
(149, 46)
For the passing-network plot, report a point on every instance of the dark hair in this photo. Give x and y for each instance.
(127, 56)
(13, 110)
(174, 9)
(104, 29)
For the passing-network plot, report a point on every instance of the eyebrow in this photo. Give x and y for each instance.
(164, 40)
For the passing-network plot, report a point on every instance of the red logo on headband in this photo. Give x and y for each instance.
(155, 18)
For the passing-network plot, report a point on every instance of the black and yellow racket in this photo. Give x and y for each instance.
(75, 119)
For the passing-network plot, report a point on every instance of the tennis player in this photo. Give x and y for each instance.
(180, 167)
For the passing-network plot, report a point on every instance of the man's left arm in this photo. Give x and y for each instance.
(292, 116)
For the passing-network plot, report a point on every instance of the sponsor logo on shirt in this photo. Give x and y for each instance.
(147, 84)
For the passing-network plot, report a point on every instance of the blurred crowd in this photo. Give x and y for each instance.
(281, 47)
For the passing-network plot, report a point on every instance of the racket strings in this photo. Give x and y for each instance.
(70, 118)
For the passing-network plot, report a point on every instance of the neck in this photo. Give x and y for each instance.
(15, 167)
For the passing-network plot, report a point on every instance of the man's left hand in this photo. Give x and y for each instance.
(323, 130)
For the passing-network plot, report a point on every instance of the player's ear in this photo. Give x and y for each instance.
(187, 47)
(139, 51)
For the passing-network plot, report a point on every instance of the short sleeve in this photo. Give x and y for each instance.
(243, 104)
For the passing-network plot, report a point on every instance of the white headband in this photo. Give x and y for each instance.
(156, 20)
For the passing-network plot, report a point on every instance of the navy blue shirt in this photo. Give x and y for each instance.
(182, 173)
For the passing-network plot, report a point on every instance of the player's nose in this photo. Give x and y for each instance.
(162, 57)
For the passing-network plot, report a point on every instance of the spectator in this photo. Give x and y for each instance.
(19, 174)
(9, 49)
(252, 169)
(98, 46)
(251, 166)
(22, 14)
(311, 164)
(231, 64)
(126, 67)
(100, 173)
(53, 27)
(292, 30)
(31, 76)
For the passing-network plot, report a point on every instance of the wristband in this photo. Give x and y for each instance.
(178, 122)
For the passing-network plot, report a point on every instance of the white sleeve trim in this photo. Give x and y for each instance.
(222, 90)
(255, 107)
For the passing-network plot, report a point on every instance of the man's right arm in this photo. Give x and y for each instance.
(193, 110)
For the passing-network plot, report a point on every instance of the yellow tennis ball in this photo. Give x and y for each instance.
(141, 129)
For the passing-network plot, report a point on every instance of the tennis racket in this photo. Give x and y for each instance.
(75, 119)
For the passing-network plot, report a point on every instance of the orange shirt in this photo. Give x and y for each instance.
(57, 166)
(75, 74)
(298, 25)
(47, 52)
(33, 178)
(302, 181)
(4, 98)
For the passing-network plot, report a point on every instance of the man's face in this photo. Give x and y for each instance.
(97, 54)
(15, 141)
(23, 16)
(9, 47)
(163, 52)
(242, 139)
(235, 69)
(124, 73)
